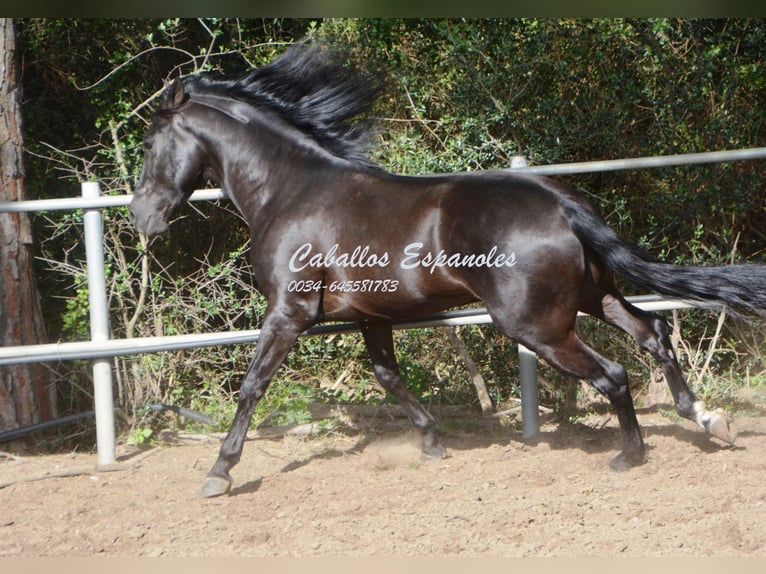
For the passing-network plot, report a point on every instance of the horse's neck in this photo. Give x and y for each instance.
(261, 160)
(266, 173)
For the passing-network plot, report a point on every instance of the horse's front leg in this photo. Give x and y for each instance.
(277, 338)
(380, 344)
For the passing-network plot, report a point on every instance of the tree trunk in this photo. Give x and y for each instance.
(26, 397)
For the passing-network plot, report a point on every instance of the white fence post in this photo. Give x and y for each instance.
(530, 409)
(93, 221)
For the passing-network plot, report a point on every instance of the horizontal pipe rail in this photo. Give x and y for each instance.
(141, 345)
(557, 169)
(13, 434)
(67, 203)
(646, 162)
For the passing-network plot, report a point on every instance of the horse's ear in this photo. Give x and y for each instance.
(179, 95)
(174, 95)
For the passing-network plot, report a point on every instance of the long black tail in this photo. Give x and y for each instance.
(741, 289)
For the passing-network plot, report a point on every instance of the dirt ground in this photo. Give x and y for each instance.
(365, 492)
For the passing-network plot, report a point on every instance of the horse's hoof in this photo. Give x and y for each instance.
(215, 486)
(623, 462)
(435, 451)
(721, 426)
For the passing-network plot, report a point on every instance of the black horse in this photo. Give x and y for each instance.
(334, 237)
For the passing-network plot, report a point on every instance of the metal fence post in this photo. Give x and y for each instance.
(99, 326)
(530, 413)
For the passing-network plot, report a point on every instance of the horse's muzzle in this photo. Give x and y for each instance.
(147, 219)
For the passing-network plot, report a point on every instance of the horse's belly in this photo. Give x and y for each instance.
(396, 297)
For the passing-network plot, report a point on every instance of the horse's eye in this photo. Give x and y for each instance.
(147, 144)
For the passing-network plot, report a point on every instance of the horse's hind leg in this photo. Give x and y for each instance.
(651, 333)
(570, 355)
(380, 344)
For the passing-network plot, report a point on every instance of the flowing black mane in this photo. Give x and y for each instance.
(313, 88)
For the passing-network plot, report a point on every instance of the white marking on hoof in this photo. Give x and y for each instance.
(717, 423)
(215, 486)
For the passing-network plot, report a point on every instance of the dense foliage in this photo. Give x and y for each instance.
(462, 94)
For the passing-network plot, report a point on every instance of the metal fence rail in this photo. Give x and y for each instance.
(101, 348)
(109, 348)
(573, 168)
(648, 162)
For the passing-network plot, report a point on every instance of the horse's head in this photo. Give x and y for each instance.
(172, 164)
